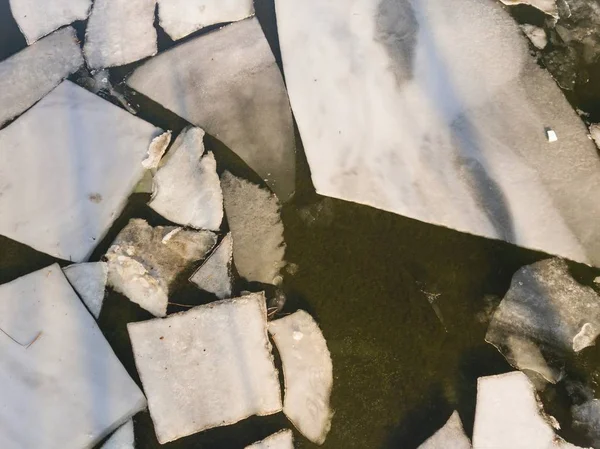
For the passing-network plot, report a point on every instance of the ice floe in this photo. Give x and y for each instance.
(123, 438)
(451, 436)
(214, 275)
(89, 281)
(280, 440)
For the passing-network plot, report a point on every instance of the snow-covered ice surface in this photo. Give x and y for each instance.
(239, 97)
(186, 187)
(157, 150)
(37, 19)
(402, 106)
(61, 385)
(214, 275)
(144, 261)
(208, 367)
(120, 32)
(123, 438)
(256, 227)
(544, 316)
(546, 6)
(283, 439)
(33, 72)
(451, 436)
(307, 372)
(89, 281)
(182, 17)
(67, 167)
(508, 415)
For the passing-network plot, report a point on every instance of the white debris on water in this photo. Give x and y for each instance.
(61, 384)
(451, 436)
(208, 367)
(283, 439)
(89, 281)
(536, 35)
(546, 6)
(307, 372)
(123, 438)
(214, 275)
(156, 150)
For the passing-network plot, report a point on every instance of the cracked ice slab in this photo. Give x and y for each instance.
(29, 75)
(143, 262)
(67, 167)
(37, 19)
(123, 438)
(239, 97)
(308, 374)
(214, 275)
(451, 436)
(89, 281)
(120, 32)
(186, 187)
(67, 389)
(401, 106)
(182, 17)
(208, 367)
(280, 440)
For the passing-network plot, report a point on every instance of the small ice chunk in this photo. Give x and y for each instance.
(182, 17)
(89, 281)
(585, 337)
(451, 436)
(597, 280)
(36, 19)
(280, 440)
(214, 275)
(536, 35)
(120, 32)
(551, 135)
(33, 72)
(186, 189)
(123, 438)
(144, 261)
(208, 367)
(61, 385)
(546, 6)
(308, 374)
(156, 150)
(256, 227)
(595, 133)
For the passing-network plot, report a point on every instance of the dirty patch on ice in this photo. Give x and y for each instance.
(451, 436)
(280, 440)
(123, 438)
(214, 275)
(89, 281)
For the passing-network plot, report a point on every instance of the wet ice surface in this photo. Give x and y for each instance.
(89, 281)
(214, 276)
(280, 440)
(123, 438)
(451, 436)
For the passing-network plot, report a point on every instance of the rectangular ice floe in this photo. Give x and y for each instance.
(67, 167)
(451, 436)
(33, 72)
(280, 440)
(208, 367)
(61, 385)
(435, 110)
(89, 281)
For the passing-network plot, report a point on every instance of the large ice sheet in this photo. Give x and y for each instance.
(451, 436)
(120, 32)
(123, 438)
(67, 167)
(280, 440)
(33, 72)
(208, 367)
(36, 19)
(227, 82)
(182, 17)
(214, 275)
(403, 106)
(61, 385)
(89, 281)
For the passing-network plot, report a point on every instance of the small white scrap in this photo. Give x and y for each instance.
(144, 261)
(597, 280)
(61, 385)
(29, 75)
(308, 374)
(156, 150)
(208, 367)
(89, 281)
(536, 35)
(546, 6)
(182, 17)
(283, 439)
(123, 438)
(451, 436)
(120, 32)
(595, 133)
(186, 187)
(214, 275)
(551, 135)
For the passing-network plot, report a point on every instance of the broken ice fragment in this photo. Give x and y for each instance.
(29, 75)
(61, 385)
(239, 97)
(595, 134)
(120, 32)
(280, 440)
(308, 374)
(451, 436)
(182, 17)
(67, 167)
(157, 149)
(186, 188)
(89, 281)
(536, 35)
(214, 275)
(544, 316)
(256, 228)
(208, 367)
(123, 438)
(551, 135)
(546, 6)
(144, 261)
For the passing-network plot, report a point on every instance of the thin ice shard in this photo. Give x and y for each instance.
(239, 98)
(208, 367)
(256, 228)
(61, 385)
(89, 281)
(67, 167)
(308, 374)
(451, 436)
(186, 188)
(182, 17)
(33, 72)
(120, 32)
(214, 275)
(283, 439)
(123, 438)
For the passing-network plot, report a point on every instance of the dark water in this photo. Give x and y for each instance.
(367, 277)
